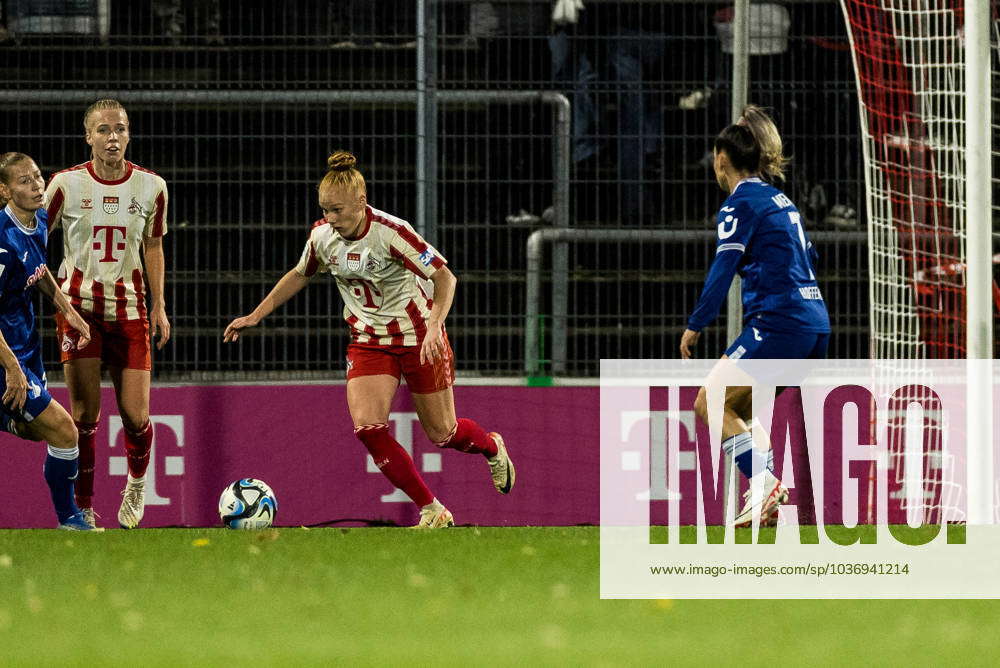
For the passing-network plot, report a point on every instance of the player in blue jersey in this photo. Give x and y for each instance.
(27, 409)
(761, 237)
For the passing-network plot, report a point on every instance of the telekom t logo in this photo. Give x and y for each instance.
(109, 244)
(174, 465)
(431, 461)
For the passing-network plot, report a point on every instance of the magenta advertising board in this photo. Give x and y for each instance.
(300, 440)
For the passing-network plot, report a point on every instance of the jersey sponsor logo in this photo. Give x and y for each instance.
(727, 227)
(354, 261)
(110, 205)
(426, 257)
(110, 241)
(35, 275)
(86, 203)
(135, 208)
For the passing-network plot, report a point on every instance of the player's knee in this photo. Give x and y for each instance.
(66, 434)
(701, 405)
(135, 421)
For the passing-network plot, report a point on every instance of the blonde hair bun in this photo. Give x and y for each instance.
(341, 161)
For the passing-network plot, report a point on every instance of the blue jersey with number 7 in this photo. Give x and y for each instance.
(761, 236)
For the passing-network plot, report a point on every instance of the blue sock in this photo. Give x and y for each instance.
(61, 465)
(748, 459)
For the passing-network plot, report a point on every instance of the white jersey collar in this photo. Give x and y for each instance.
(20, 225)
(749, 179)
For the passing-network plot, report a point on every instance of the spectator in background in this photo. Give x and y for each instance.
(176, 17)
(375, 23)
(617, 43)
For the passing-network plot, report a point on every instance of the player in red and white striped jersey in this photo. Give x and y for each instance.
(397, 291)
(114, 215)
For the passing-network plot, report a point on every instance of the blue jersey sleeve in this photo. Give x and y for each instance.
(735, 225)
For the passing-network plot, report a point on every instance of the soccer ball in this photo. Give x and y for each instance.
(247, 504)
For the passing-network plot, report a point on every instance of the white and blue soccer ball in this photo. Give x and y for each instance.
(247, 504)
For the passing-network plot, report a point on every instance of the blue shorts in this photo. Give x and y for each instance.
(38, 397)
(755, 343)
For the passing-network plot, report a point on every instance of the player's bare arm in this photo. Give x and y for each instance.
(286, 288)
(16, 392)
(444, 294)
(48, 286)
(152, 251)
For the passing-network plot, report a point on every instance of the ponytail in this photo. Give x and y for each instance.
(772, 161)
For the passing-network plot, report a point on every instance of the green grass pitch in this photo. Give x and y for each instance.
(458, 597)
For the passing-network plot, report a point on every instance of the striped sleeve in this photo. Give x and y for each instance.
(156, 223)
(309, 262)
(54, 197)
(410, 250)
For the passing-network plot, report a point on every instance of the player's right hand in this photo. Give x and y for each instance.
(688, 339)
(74, 320)
(232, 332)
(17, 389)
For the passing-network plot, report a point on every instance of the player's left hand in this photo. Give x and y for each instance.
(688, 339)
(433, 346)
(160, 326)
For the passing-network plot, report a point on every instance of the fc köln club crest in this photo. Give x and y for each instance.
(354, 261)
(111, 205)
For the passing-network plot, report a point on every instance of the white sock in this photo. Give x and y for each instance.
(68, 454)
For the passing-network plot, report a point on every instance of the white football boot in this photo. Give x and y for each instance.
(133, 503)
(774, 495)
(89, 516)
(501, 468)
(434, 518)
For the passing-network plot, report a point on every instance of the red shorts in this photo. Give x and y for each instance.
(122, 344)
(368, 360)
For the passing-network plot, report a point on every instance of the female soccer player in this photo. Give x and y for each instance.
(761, 236)
(27, 410)
(382, 267)
(114, 216)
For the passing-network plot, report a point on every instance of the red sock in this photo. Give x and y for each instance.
(137, 447)
(468, 436)
(394, 462)
(85, 479)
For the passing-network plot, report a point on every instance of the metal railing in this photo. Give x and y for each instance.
(563, 237)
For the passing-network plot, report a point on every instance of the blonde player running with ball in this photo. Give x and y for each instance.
(114, 216)
(382, 268)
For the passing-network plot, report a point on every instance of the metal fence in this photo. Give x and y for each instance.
(234, 108)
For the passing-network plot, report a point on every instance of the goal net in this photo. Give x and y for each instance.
(909, 67)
